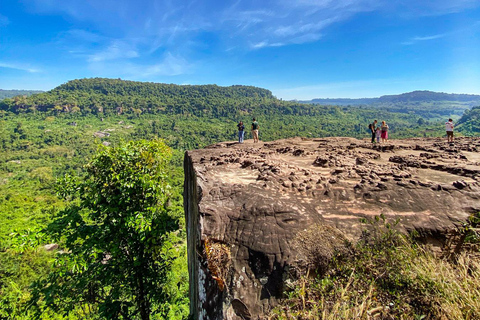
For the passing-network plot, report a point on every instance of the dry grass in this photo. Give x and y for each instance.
(218, 260)
(387, 276)
(317, 246)
(458, 285)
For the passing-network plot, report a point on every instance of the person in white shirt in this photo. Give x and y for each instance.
(449, 129)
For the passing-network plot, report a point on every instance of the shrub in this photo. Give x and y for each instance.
(386, 275)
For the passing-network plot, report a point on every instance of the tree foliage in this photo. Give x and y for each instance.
(116, 234)
(469, 123)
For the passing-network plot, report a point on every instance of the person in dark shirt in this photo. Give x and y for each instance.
(255, 127)
(372, 127)
(241, 131)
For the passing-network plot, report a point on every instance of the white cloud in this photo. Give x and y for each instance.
(177, 25)
(169, 65)
(437, 36)
(307, 37)
(19, 66)
(168, 24)
(264, 44)
(415, 8)
(84, 36)
(116, 50)
(300, 29)
(424, 38)
(290, 22)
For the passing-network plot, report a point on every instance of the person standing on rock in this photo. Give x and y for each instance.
(255, 127)
(384, 132)
(378, 134)
(372, 127)
(449, 129)
(241, 131)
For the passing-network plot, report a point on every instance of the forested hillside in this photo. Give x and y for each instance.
(45, 136)
(109, 96)
(469, 123)
(112, 96)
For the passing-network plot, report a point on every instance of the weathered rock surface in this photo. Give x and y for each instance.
(250, 200)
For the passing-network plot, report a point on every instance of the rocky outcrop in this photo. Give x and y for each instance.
(245, 204)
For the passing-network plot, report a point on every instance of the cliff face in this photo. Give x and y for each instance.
(245, 203)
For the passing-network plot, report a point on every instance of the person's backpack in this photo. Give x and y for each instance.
(370, 127)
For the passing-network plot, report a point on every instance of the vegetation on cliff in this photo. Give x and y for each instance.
(386, 275)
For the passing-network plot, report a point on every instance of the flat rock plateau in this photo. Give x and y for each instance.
(245, 203)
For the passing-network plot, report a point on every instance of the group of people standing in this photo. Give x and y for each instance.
(379, 133)
(254, 129)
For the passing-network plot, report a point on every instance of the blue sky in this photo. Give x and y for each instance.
(298, 49)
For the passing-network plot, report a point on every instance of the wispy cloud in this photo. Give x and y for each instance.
(252, 24)
(413, 8)
(84, 36)
(424, 38)
(175, 25)
(245, 19)
(265, 44)
(169, 23)
(292, 22)
(437, 36)
(19, 66)
(116, 50)
(168, 65)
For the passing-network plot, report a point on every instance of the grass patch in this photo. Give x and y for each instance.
(386, 275)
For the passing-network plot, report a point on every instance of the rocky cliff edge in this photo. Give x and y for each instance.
(245, 203)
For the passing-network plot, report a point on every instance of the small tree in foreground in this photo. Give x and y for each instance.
(115, 235)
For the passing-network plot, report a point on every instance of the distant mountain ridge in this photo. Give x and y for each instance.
(13, 93)
(409, 97)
